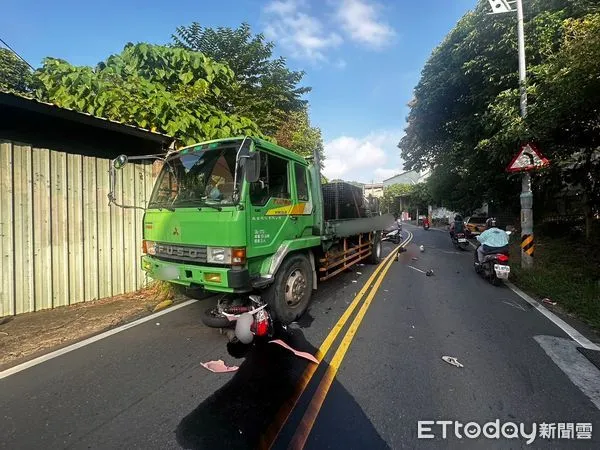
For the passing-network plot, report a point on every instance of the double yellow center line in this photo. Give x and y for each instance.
(301, 435)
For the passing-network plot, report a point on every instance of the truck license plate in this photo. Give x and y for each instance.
(168, 273)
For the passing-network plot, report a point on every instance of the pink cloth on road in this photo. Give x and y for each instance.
(219, 367)
(304, 355)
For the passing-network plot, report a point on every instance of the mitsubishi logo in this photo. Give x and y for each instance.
(175, 232)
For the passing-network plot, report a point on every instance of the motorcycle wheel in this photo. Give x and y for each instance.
(213, 319)
(478, 268)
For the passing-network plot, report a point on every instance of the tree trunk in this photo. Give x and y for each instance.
(587, 208)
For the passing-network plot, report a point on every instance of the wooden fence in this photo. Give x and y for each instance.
(60, 242)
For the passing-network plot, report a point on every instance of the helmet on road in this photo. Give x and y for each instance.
(491, 222)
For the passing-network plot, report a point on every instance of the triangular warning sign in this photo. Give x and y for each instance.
(528, 158)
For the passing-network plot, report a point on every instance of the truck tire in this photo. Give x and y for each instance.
(375, 256)
(289, 295)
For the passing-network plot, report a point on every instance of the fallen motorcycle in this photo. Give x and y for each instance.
(249, 316)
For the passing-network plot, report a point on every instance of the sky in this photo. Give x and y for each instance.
(362, 58)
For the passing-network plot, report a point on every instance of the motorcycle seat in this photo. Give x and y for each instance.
(495, 250)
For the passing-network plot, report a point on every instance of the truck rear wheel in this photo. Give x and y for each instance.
(375, 256)
(289, 295)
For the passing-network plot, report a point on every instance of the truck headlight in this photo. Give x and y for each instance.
(218, 255)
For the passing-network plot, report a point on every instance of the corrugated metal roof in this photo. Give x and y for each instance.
(26, 102)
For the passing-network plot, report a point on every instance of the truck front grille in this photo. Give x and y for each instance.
(187, 253)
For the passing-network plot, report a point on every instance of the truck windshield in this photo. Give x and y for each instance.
(196, 179)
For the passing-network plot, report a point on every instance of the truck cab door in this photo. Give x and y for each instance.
(270, 204)
(302, 210)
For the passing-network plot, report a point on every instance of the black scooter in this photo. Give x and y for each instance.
(460, 241)
(494, 267)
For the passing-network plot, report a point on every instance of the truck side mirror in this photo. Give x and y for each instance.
(252, 167)
(119, 161)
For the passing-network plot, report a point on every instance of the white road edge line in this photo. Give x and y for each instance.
(572, 332)
(88, 341)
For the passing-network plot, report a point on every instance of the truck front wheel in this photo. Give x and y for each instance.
(290, 293)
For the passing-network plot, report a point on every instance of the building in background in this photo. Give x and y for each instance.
(373, 190)
(409, 177)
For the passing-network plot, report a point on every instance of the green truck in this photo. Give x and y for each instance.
(244, 216)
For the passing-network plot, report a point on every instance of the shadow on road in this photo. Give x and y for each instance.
(238, 414)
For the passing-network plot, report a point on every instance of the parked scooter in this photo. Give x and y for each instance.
(494, 267)
(393, 234)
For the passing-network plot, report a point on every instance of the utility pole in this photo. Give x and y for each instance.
(505, 6)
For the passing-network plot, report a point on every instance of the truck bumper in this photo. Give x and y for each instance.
(217, 279)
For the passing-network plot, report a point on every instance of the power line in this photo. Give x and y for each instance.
(20, 57)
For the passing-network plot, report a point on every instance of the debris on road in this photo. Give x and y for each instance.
(157, 323)
(359, 273)
(414, 258)
(452, 361)
(429, 272)
(218, 366)
(304, 355)
(547, 301)
(162, 305)
(410, 337)
(422, 247)
(354, 281)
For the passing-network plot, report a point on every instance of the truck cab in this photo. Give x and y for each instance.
(223, 213)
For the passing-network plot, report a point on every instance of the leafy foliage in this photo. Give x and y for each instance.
(268, 91)
(15, 74)
(420, 197)
(171, 90)
(391, 194)
(297, 135)
(465, 119)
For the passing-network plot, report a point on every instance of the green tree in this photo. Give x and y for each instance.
(465, 122)
(420, 197)
(171, 90)
(297, 135)
(15, 74)
(390, 201)
(269, 90)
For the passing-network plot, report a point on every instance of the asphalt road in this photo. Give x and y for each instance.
(145, 387)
